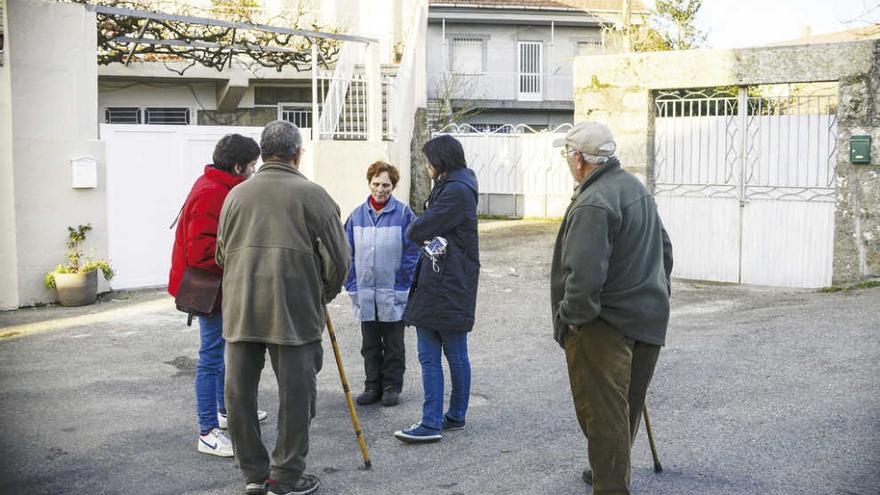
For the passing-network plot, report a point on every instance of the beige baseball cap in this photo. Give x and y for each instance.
(590, 138)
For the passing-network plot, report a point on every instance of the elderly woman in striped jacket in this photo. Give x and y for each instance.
(383, 260)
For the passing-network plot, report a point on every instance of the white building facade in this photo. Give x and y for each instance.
(510, 61)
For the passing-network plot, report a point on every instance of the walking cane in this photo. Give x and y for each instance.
(354, 418)
(657, 466)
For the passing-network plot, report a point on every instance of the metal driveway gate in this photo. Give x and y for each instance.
(519, 171)
(744, 182)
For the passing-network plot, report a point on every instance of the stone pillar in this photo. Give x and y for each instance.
(857, 221)
(420, 182)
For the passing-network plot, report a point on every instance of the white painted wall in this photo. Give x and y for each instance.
(341, 168)
(54, 105)
(8, 254)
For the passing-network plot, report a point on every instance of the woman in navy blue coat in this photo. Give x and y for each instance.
(443, 297)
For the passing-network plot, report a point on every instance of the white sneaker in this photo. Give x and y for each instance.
(215, 443)
(224, 422)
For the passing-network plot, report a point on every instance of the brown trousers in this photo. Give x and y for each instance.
(609, 375)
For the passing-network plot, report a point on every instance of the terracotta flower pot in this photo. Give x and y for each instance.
(76, 289)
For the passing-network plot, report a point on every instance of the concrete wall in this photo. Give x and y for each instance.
(54, 104)
(341, 168)
(618, 89)
(193, 95)
(8, 252)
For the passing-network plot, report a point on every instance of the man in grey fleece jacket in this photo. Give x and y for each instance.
(609, 288)
(285, 255)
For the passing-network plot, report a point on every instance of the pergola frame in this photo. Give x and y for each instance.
(374, 110)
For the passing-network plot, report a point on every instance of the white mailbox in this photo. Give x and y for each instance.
(85, 173)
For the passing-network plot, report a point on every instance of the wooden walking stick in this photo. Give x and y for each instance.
(354, 417)
(657, 466)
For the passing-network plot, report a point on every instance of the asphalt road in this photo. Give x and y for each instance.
(759, 391)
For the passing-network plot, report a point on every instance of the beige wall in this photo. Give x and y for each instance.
(54, 116)
(8, 255)
(341, 168)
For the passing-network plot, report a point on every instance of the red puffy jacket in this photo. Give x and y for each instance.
(196, 237)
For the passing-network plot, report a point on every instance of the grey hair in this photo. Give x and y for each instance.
(280, 139)
(595, 159)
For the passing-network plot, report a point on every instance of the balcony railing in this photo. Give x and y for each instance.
(500, 86)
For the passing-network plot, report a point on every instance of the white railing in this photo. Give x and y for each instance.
(345, 98)
(299, 114)
(389, 92)
(496, 86)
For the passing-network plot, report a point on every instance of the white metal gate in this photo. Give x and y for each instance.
(745, 185)
(150, 170)
(529, 63)
(519, 171)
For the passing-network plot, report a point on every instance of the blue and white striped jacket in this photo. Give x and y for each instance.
(383, 260)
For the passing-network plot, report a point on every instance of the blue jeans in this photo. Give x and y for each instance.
(210, 371)
(454, 346)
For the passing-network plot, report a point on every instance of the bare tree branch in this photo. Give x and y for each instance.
(219, 45)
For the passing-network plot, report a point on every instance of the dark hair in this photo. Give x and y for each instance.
(444, 153)
(380, 167)
(234, 149)
(280, 139)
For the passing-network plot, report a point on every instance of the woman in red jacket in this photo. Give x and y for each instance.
(194, 244)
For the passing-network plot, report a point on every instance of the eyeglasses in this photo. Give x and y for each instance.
(564, 152)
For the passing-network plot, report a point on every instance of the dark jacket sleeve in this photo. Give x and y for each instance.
(351, 280)
(333, 251)
(444, 213)
(201, 233)
(667, 258)
(584, 265)
(411, 253)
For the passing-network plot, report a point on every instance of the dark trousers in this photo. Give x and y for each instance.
(609, 375)
(384, 354)
(295, 369)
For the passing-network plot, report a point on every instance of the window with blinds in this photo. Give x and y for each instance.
(467, 56)
(167, 116)
(122, 115)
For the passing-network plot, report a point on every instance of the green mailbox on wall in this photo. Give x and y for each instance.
(860, 149)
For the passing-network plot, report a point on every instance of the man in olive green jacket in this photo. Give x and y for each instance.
(285, 255)
(609, 288)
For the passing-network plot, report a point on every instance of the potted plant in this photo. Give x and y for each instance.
(76, 283)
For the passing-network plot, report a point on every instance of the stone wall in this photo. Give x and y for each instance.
(857, 239)
(618, 90)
